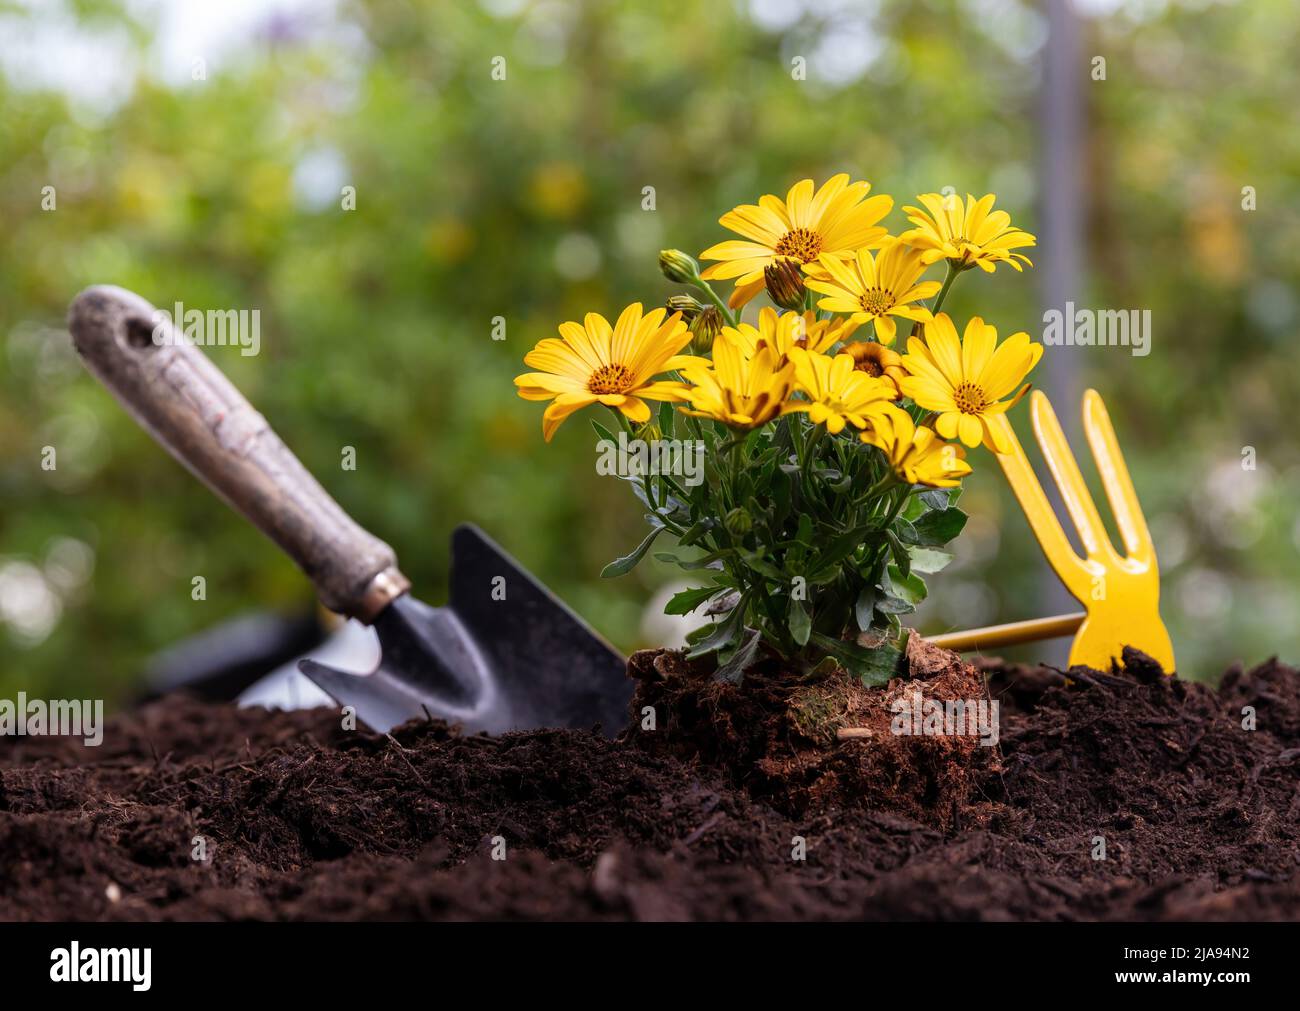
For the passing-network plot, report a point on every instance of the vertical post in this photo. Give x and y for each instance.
(1060, 247)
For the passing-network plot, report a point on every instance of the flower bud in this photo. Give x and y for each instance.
(738, 522)
(785, 284)
(687, 305)
(678, 266)
(649, 432)
(705, 328)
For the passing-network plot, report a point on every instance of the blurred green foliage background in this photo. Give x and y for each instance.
(522, 198)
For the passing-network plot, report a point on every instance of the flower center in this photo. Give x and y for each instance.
(870, 367)
(876, 301)
(613, 378)
(801, 244)
(969, 398)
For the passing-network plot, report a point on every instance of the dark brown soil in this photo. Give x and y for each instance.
(696, 820)
(778, 739)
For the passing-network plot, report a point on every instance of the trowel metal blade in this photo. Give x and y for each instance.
(505, 654)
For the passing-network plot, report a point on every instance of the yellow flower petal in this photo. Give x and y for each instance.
(945, 348)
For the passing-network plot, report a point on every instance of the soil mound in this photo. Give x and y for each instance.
(299, 819)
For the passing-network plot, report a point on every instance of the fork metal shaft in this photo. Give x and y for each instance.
(1012, 634)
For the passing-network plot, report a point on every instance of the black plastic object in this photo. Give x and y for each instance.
(218, 663)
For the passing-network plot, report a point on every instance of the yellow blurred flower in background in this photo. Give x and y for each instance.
(916, 453)
(558, 189)
(965, 380)
(837, 393)
(836, 220)
(594, 362)
(448, 240)
(966, 235)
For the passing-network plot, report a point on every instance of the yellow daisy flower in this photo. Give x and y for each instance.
(877, 360)
(837, 393)
(875, 288)
(594, 362)
(965, 381)
(791, 330)
(917, 455)
(745, 388)
(837, 220)
(966, 235)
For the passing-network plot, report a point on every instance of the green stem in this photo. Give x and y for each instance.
(876, 490)
(737, 467)
(810, 450)
(705, 287)
(882, 551)
(897, 507)
(943, 294)
(675, 528)
(776, 620)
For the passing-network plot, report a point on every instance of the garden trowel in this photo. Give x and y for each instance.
(504, 654)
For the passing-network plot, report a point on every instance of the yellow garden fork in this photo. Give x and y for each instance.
(1121, 594)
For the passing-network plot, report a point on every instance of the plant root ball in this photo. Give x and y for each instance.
(808, 745)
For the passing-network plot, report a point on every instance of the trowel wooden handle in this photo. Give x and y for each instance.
(185, 402)
(1013, 634)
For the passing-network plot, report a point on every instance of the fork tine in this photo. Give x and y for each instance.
(1042, 519)
(1069, 480)
(1115, 478)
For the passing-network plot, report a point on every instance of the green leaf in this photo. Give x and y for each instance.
(765, 568)
(779, 489)
(667, 419)
(909, 588)
(901, 556)
(800, 622)
(825, 575)
(621, 566)
(936, 498)
(602, 432)
(693, 533)
(935, 529)
(865, 605)
(690, 564)
(734, 669)
(724, 633)
(905, 530)
(834, 479)
(688, 600)
(696, 634)
(929, 560)
(875, 665)
(916, 507)
(891, 605)
(842, 546)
